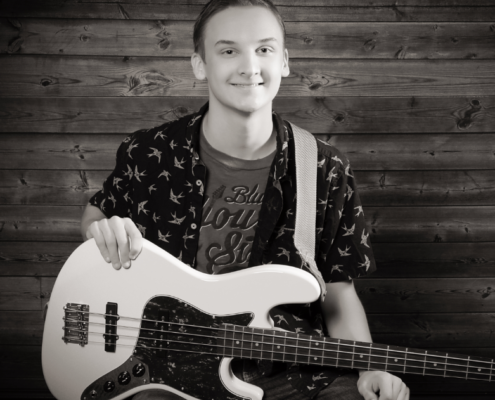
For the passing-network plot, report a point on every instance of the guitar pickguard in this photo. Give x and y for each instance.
(177, 347)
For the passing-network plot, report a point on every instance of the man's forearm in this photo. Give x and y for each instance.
(344, 314)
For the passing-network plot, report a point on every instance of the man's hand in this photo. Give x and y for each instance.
(380, 385)
(118, 239)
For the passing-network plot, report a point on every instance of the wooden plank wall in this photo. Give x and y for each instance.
(406, 88)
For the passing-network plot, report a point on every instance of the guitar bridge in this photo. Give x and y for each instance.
(76, 322)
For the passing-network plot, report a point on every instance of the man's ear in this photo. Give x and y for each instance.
(198, 66)
(285, 67)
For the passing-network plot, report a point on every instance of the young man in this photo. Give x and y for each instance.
(217, 190)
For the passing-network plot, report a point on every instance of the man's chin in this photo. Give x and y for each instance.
(252, 107)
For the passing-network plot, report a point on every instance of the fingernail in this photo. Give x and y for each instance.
(107, 259)
(116, 265)
(127, 264)
(133, 256)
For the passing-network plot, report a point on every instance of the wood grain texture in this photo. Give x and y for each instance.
(34, 259)
(431, 224)
(365, 152)
(20, 293)
(422, 188)
(165, 38)
(434, 260)
(56, 76)
(49, 187)
(376, 188)
(394, 13)
(432, 330)
(442, 295)
(21, 327)
(387, 224)
(319, 115)
(40, 223)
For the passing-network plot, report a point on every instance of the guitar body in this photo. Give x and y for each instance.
(105, 358)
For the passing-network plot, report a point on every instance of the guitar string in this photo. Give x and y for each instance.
(270, 344)
(342, 343)
(352, 362)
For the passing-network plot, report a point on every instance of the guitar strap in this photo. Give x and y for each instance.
(306, 167)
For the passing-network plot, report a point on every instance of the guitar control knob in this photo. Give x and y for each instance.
(124, 378)
(108, 386)
(138, 370)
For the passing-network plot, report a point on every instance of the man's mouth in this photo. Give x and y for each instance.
(247, 85)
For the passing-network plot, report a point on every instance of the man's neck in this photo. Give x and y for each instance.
(241, 135)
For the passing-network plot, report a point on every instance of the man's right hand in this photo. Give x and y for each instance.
(118, 239)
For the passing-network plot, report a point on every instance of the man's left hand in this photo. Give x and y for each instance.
(380, 385)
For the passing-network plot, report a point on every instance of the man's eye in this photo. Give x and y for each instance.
(229, 52)
(265, 50)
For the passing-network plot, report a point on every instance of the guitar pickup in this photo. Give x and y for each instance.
(110, 335)
(76, 320)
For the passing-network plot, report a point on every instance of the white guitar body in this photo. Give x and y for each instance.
(88, 371)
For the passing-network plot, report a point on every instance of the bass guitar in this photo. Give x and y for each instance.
(160, 324)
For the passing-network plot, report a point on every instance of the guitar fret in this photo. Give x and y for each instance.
(445, 366)
(405, 360)
(491, 368)
(353, 348)
(369, 357)
(386, 359)
(285, 345)
(323, 352)
(424, 364)
(242, 347)
(338, 352)
(467, 368)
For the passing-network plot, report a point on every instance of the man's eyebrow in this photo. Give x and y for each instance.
(231, 42)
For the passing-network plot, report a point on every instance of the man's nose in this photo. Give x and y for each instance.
(249, 65)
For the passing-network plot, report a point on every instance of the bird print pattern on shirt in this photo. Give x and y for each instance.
(158, 182)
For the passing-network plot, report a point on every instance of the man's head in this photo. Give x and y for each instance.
(241, 52)
(215, 6)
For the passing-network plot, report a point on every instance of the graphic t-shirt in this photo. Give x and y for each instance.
(232, 202)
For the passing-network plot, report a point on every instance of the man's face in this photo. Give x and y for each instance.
(245, 58)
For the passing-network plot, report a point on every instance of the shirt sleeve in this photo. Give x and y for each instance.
(115, 197)
(346, 251)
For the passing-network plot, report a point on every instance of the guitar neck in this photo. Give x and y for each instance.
(264, 344)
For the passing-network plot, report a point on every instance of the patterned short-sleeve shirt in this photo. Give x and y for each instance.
(159, 182)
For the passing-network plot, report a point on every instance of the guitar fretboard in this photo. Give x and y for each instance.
(288, 347)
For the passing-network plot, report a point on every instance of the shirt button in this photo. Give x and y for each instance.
(193, 226)
(198, 182)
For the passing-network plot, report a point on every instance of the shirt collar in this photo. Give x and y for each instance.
(279, 167)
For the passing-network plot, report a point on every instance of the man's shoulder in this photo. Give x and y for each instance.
(168, 130)
(327, 152)
(160, 139)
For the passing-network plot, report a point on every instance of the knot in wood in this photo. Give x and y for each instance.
(308, 40)
(464, 123)
(369, 45)
(46, 82)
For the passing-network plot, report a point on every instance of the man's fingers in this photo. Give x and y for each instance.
(95, 232)
(111, 243)
(117, 226)
(404, 392)
(369, 395)
(135, 237)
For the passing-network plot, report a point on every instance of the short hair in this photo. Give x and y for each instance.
(215, 6)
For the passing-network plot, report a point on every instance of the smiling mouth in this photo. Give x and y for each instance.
(247, 85)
